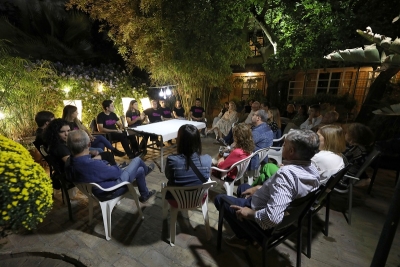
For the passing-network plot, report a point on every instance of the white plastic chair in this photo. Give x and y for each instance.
(276, 153)
(107, 205)
(187, 198)
(241, 166)
(279, 139)
(262, 154)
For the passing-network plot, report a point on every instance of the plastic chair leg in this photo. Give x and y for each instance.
(165, 209)
(135, 198)
(250, 180)
(172, 228)
(106, 211)
(204, 209)
(229, 188)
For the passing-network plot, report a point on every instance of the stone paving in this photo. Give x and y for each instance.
(60, 242)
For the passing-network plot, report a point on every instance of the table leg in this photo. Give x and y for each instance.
(162, 154)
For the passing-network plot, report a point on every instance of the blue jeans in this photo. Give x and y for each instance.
(97, 149)
(136, 170)
(230, 215)
(241, 188)
(101, 142)
(229, 137)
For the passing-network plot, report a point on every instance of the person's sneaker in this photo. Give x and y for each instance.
(222, 141)
(151, 194)
(150, 168)
(236, 242)
(118, 153)
(342, 187)
(123, 165)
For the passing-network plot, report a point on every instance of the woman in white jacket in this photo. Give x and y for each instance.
(329, 160)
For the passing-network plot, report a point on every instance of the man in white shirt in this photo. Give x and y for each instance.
(314, 118)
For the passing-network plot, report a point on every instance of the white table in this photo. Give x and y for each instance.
(166, 130)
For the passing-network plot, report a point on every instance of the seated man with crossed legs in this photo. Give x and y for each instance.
(266, 204)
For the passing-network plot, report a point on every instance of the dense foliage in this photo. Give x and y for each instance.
(190, 43)
(29, 87)
(25, 189)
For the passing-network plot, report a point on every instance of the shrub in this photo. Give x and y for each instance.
(25, 188)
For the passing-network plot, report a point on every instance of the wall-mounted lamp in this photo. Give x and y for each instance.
(66, 90)
(100, 88)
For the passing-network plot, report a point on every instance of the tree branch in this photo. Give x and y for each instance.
(266, 29)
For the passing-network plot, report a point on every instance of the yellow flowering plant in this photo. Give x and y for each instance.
(25, 188)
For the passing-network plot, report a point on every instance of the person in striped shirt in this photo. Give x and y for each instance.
(266, 204)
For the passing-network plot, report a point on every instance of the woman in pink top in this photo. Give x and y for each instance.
(244, 145)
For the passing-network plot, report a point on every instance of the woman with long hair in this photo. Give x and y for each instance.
(56, 135)
(178, 111)
(274, 119)
(244, 146)
(329, 159)
(359, 139)
(177, 168)
(133, 116)
(70, 114)
(225, 123)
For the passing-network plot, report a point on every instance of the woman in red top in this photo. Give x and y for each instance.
(243, 147)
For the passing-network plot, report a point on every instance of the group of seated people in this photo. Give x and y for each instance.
(309, 159)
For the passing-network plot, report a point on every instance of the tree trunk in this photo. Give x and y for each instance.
(375, 94)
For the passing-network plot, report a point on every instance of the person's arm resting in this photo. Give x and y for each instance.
(280, 198)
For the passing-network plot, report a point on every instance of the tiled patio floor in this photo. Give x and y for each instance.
(60, 242)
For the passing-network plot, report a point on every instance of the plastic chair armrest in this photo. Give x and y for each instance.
(111, 188)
